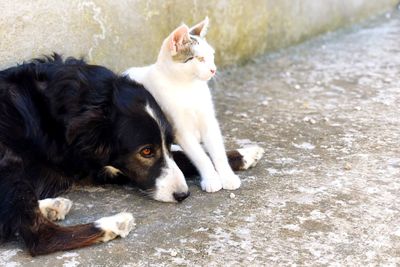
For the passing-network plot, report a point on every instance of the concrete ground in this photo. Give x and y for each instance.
(327, 192)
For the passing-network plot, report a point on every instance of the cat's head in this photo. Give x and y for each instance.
(186, 52)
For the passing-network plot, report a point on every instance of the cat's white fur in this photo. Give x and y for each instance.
(182, 92)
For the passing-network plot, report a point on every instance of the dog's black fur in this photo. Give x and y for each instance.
(63, 121)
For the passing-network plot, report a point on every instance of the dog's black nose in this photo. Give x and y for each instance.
(181, 196)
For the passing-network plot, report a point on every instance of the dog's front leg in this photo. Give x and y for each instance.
(21, 211)
(239, 159)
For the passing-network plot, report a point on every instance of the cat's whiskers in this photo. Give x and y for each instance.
(215, 80)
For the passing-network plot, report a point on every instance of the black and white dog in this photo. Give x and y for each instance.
(65, 121)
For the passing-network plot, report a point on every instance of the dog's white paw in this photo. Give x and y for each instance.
(118, 225)
(211, 184)
(251, 155)
(55, 209)
(230, 181)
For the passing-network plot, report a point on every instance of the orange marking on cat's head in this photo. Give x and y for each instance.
(178, 38)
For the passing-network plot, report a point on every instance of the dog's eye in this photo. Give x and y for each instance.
(147, 152)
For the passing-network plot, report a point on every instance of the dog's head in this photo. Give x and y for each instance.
(145, 139)
(132, 138)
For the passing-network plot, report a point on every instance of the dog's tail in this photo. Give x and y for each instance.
(20, 212)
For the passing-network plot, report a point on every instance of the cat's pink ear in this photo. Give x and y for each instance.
(177, 38)
(200, 29)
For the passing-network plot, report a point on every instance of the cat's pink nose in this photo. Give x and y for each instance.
(213, 71)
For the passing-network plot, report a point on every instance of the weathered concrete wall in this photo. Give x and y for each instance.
(120, 34)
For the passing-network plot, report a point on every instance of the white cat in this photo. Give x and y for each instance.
(178, 81)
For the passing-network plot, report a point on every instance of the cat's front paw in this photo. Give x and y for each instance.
(230, 182)
(211, 185)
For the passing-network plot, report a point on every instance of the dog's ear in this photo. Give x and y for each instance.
(91, 134)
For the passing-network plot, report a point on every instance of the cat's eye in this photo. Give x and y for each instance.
(147, 152)
(201, 59)
(188, 59)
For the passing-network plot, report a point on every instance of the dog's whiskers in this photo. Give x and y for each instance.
(147, 192)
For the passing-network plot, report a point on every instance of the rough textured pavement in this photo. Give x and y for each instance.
(327, 191)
